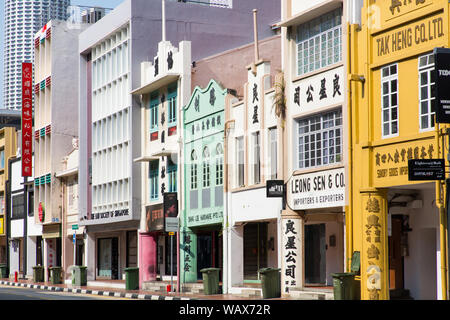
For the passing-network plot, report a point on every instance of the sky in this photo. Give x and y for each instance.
(93, 3)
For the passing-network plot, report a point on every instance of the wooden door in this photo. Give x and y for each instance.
(395, 254)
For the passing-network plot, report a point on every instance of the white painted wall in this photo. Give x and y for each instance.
(236, 256)
(253, 205)
(422, 266)
(334, 255)
(301, 6)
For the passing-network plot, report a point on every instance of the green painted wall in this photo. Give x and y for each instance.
(204, 120)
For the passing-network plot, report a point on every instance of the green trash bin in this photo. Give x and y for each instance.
(271, 282)
(210, 280)
(3, 271)
(38, 274)
(55, 275)
(345, 286)
(132, 278)
(79, 275)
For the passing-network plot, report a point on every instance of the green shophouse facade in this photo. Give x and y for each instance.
(202, 217)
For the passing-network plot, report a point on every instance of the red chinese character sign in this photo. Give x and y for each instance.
(27, 119)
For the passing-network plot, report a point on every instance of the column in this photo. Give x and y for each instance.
(90, 257)
(292, 244)
(374, 255)
(147, 257)
(188, 256)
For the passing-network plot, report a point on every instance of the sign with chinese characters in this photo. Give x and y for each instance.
(442, 76)
(391, 162)
(188, 252)
(321, 90)
(323, 189)
(291, 273)
(155, 217)
(426, 169)
(27, 119)
(375, 269)
(398, 8)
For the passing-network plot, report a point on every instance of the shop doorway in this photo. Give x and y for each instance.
(315, 254)
(174, 255)
(396, 279)
(108, 258)
(79, 256)
(39, 251)
(204, 252)
(208, 252)
(255, 250)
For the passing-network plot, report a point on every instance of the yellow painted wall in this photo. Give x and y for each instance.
(9, 144)
(424, 26)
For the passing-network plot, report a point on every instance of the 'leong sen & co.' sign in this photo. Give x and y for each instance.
(322, 189)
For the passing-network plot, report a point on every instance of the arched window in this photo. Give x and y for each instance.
(219, 164)
(206, 168)
(193, 170)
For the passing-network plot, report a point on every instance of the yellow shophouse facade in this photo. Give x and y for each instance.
(397, 225)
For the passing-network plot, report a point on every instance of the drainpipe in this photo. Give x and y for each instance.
(25, 226)
(442, 222)
(349, 213)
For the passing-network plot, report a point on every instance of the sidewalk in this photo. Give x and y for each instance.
(122, 293)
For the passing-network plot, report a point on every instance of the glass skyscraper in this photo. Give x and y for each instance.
(22, 20)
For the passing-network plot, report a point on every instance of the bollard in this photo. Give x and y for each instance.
(15, 276)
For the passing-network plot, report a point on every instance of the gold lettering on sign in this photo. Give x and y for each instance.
(400, 156)
(397, 5)
(410, 36)
(373, 205)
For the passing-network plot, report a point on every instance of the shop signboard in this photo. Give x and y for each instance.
(27, 119)
(274, 188)
(426, 169)
(322, 189)
(155, 217)
(157, 214)
(442, 76)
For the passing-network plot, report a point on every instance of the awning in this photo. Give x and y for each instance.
(67, 173)
(145, 159)
(159, 82)
(312, 13)
(51, 231)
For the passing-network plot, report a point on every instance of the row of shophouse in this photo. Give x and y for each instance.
(190, 111)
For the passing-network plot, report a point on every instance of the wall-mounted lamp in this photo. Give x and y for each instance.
(356, 77)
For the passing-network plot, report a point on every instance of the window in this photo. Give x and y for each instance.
(172, 101)
(427, 93)
(154, 113)
(2, 159)
(256, 158)
(389, 98)
(240, 161)
(219, 165)
(31, 204)
(206, 168)
(172, 176)
(273, 146)
(320, 140)
(193, 170)
(17, 207)
(319, 42)
(153, 177)
(2, 204)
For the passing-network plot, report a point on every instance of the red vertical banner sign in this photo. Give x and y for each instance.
(27, 118)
